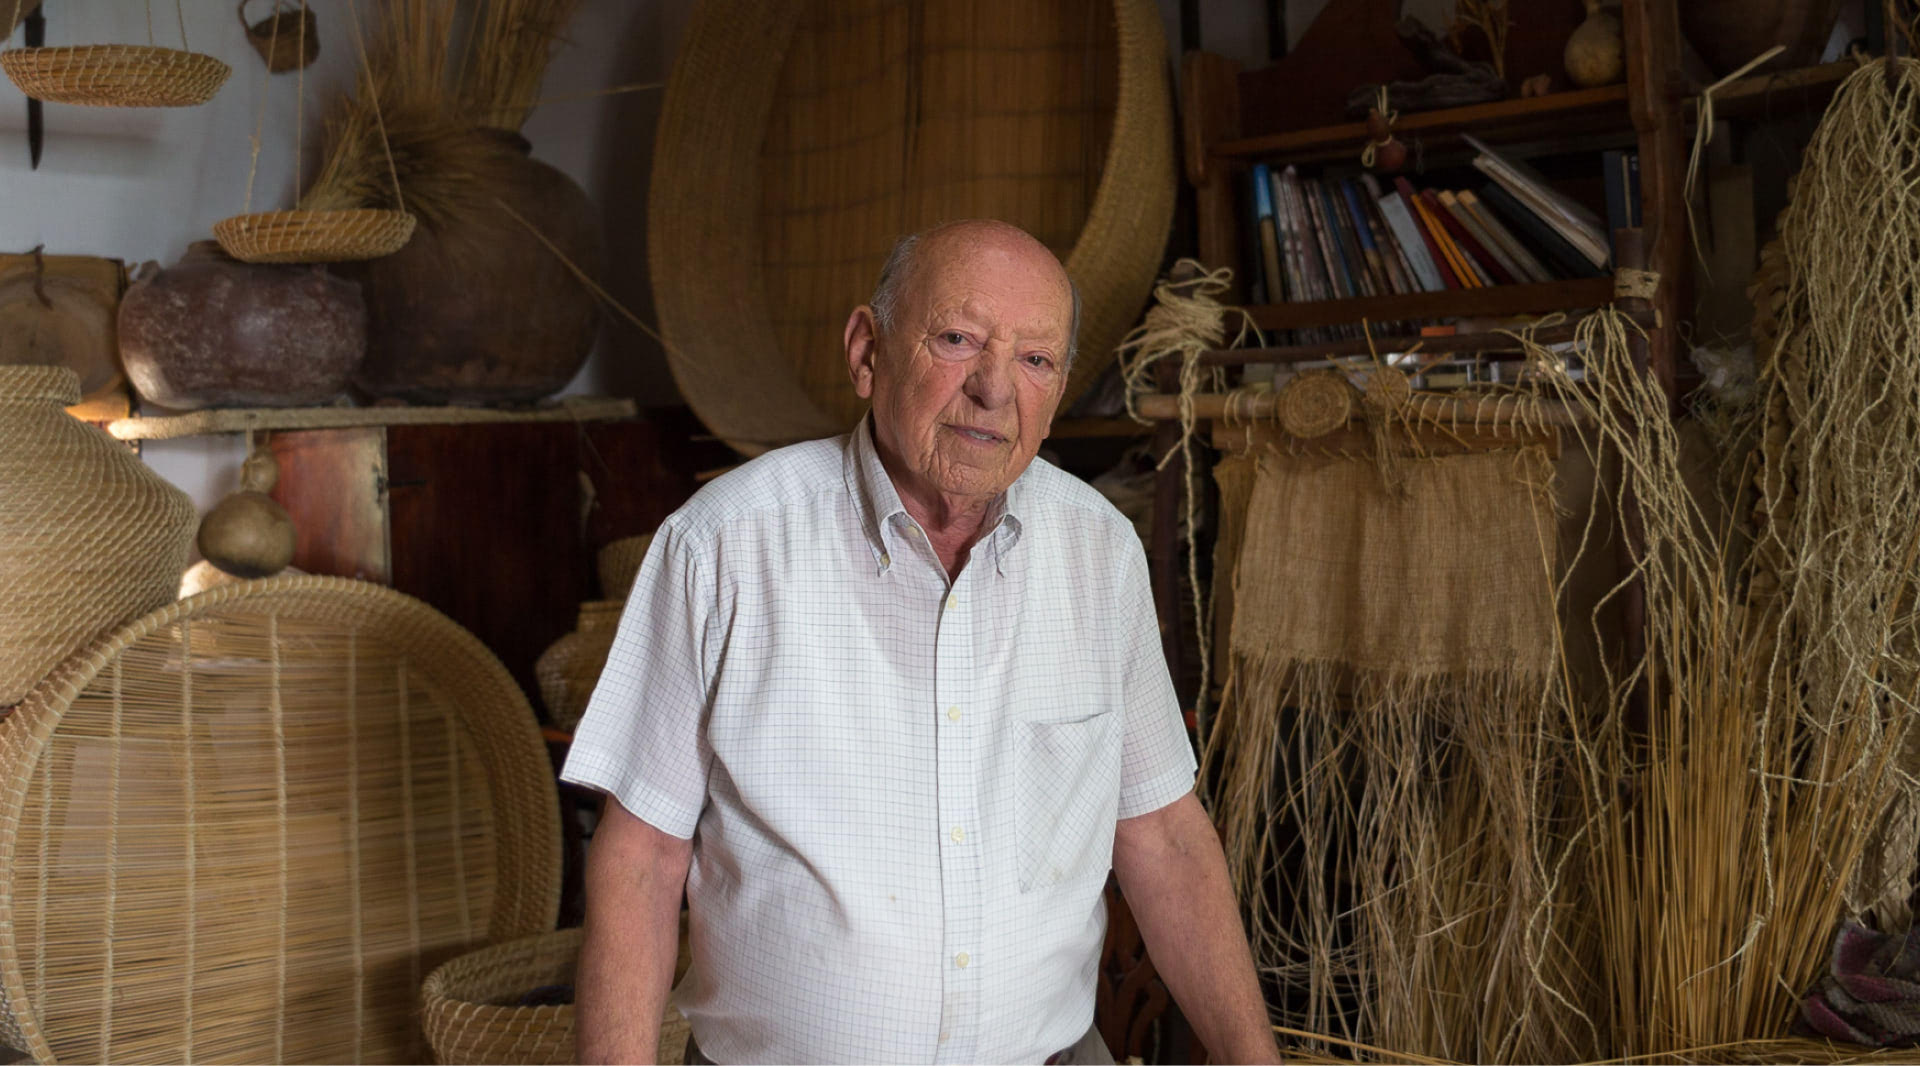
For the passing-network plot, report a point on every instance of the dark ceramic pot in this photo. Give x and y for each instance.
(211, 331)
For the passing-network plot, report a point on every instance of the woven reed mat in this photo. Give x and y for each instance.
(1383, 732)
(245, 827)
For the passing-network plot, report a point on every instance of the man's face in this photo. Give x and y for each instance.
(965, 384)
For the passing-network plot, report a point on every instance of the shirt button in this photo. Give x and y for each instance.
(953, 714)
(959, 837)
(961, 960)
(945, 1036)
(886, 560)
(952, 602)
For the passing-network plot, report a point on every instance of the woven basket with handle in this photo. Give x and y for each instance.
(245, 826)
(470, 1006)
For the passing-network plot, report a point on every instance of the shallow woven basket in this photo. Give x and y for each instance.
(115, 75)
(799, 139)
(466, 1005)
(346, 235)
(619, 562)
(570, 667)
(245, 826)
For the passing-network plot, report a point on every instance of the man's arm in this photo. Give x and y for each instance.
(635, 876)
(1174, 877)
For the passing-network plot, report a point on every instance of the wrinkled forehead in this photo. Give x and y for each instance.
(1006, 288)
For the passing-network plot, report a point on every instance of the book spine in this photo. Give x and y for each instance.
(1373, 244)
(1476, 258)
(1323, 235)
(1385, 236)
(1311, 261)
(1407, 234)
(1482, 241)
(1469, 277)
(1529, 265)
(1297, 289)
(1442, 265)
(1269, 235)
(1565, 256)
(1588, 240)
(1346, 243)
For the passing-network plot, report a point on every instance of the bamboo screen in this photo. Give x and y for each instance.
(251, 836)
(892, 116)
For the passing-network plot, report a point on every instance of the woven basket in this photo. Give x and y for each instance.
(342, 236)
(798, 140)
(245, 826)
(1315, 403)
(115, 75)
(89, 536)
(466, 1008)
(570, 667)
(619, 563)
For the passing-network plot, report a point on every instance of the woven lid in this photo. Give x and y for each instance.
(245, 826)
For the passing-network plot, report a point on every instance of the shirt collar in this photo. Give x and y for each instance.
(882, 515)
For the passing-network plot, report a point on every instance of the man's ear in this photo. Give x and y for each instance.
(863, 349)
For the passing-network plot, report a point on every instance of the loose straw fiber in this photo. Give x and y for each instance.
(89, 537)
(115, 75)
(469, 1006)
(245, 826)
(797, 141)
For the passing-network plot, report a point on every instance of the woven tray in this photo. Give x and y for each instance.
(467, 1006)
(314, 236)
(115, 75)
(245, 826)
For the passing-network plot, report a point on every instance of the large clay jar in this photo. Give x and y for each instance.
(211, 331)
(1727, 33)
(477, 308)
(570, 667)
(89, 537)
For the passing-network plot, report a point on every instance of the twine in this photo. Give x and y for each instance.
(1703, 136)
(1187, 319)
(1630, 283)
(1386, 112)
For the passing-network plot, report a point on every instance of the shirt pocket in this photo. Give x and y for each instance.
(1066, 797)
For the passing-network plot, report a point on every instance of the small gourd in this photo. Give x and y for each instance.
(1595, 53)
(249, 534)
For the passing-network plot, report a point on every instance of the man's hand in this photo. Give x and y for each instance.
(635, 877)
(1174, 877)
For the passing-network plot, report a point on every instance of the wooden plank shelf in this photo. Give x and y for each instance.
(1500, 120)
(1777, 93)
(242, 419)
(1452, 303)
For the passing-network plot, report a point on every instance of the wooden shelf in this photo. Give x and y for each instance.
(1452, 303)
(242, 419)
(1760, 96)
(1502, 120)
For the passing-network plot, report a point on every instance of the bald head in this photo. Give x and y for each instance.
(904, 261)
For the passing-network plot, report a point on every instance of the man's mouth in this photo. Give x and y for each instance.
(982, 435)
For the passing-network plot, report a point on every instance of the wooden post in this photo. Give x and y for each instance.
(1655, 93)
(1630, 253)
(1209, 113)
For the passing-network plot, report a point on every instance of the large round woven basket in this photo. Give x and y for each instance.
(115, 75)
(799, 139)
(470, 1006)
(245, 826)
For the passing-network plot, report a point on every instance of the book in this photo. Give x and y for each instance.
(1575, 224)
(1410, 200)
(1529, 264)
(1383, 278)
(1300, 282)
(1570, 262)
(1384, 235)
(1469, 277)
(1477, 257)
(1342, 284)
(1366, 219)
(1620, 171)
(1269, 235)
(1483, 240)
(1347, 244)
(1301, 243)
(1250, 241)
(1407, 234)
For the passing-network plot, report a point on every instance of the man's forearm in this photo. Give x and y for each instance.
(634, 879)
(1174, 877)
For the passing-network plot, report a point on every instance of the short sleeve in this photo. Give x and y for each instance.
(1156, 758)
(642, 737)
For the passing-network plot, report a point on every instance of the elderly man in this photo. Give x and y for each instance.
(889, 707)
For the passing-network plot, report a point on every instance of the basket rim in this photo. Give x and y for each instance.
(304, 235)
(120, 66)
(525, 899)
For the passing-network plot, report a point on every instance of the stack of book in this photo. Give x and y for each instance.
(1341, 238)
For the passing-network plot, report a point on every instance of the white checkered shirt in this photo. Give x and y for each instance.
(902, 792)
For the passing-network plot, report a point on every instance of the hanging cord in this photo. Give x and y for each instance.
(1389, 116)
(373, 95)
(1187, 319)
(1703, 136)
(260, 122)
(150, 41)
(180, 12)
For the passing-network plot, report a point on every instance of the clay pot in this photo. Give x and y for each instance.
(211, 331)
(570, 667)
(1727, 33)
(476, 308)
(90, 537)
(1596, 54)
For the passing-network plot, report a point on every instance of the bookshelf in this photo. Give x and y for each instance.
(1647, 110)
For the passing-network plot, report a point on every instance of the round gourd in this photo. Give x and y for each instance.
(248, 534)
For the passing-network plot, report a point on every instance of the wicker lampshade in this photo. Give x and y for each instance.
(245, 826)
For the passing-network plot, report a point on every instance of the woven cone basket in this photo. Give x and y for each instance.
(798, 141)
(468, 1006)
(570, 667)
(89, 537)
(245, 826)
(115, 75)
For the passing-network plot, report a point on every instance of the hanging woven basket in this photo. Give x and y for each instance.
(245, 826)
(798, 140)
(299, 236)
(476, 1008)
(115, 75)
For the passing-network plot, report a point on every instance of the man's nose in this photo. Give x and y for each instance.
(991, 383)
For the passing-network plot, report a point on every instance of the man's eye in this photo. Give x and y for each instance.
(1039, 362)
(954, 338)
